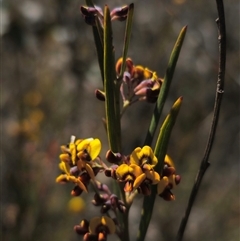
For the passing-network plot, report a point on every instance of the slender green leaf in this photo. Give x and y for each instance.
(164, 135)
(165, 87)
(98, 39)
(160, 152)
(110, 85)
(127, 37)
(148, 202)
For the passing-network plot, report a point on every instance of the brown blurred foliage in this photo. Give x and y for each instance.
(49, 72)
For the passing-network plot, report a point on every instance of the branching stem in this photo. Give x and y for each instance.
(218, 98)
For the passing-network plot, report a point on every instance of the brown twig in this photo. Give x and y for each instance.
(218, 98)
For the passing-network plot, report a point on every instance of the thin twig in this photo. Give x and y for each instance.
(218, 98)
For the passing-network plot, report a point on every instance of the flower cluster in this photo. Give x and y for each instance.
(97, 229)
(77, 163)
(170, 180)
(91, 14)
(137, 172)
(80, 162)
(138, 81)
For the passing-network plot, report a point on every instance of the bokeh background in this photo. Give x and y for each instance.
(49, 72)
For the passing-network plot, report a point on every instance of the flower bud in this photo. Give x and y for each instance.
(114, 201)
(168, 171)
(119, 13)
(177, 179)
(103, 187)
(141, 89)
(100, 95)
(82, 228)
(90, 14)
(111, 172)
(113, 157)
(105, 207)
(76, 191)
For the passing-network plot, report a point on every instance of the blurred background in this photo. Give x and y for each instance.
(49, 72)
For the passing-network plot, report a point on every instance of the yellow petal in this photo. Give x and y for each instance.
(135, 156)
(94, 148)
(64, 157)
(122, 170)
(82, 186)
(72, 179)
(135, 170)
(147, 167)
(138, 72)
(64, 167)
(78, 141)
(141, 156)
(154, 161)
(90, 171)
(147, 151)
(169, 161)
(153, 176)
(82, 145)
(73, 151)
(61, 178)
(64, 149)
(162, 185)
(147, 73)
(138, 181)
(118, 65)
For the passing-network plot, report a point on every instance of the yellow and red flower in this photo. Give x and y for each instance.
(144, 157)
(97, 229)
(68, 177)
(169, 181)
(139, 171)
(77, 163)
(129, 174)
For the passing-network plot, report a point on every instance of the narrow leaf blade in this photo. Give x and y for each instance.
(165, 87)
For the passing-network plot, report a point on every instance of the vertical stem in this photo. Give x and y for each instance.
(218, 98)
